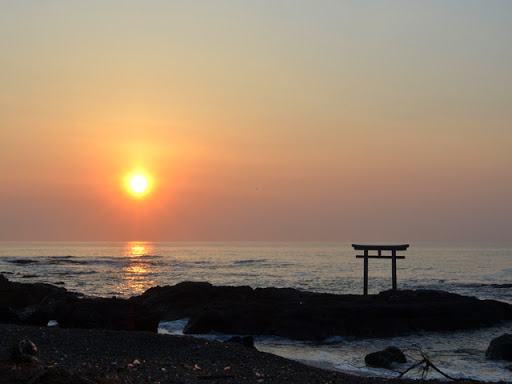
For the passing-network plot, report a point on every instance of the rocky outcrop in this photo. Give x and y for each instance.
(100, 313)
(19, 295)
(37, 304)
(242, 310)
(385, 358)
(500, 348)
(315, 316)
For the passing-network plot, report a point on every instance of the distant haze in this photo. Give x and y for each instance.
(256, 120)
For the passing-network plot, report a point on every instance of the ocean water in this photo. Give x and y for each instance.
(127, 269)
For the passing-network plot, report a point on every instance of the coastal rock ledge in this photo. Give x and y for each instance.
(243, 310)
(303, 315)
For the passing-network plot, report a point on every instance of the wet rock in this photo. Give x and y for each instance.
(385, 358)
(500, 348)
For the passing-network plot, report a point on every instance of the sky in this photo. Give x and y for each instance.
(374, 121)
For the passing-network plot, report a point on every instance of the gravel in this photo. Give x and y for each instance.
(103, 356)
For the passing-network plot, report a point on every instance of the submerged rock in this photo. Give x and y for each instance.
(385, 358)
(500, 348)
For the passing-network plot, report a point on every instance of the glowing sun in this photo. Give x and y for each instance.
(138, 184)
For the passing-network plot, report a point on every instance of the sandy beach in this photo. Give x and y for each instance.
(101, 356)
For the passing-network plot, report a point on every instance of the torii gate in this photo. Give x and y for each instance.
(379, 249)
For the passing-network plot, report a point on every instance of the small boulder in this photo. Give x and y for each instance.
(500, 348)
(385, 358)
(24, 352)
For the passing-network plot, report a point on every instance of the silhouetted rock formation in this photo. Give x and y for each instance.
(281, 312)
(36, 304)
(315, 316)
(101, 313)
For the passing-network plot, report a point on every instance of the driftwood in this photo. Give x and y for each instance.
(424, 364)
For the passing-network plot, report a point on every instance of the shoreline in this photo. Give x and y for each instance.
(106, 356)
(230, 310)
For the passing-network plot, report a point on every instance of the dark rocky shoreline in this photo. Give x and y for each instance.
(102, 351)
(78, 356)
(288, 313)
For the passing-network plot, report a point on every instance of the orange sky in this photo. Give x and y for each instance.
(257, 121)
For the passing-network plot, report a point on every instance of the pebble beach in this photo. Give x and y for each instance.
(101, 356)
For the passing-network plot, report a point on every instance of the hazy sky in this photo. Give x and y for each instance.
(256, 120)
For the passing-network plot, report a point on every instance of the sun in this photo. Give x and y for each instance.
(138, 184)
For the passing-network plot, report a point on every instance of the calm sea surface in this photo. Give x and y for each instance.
(126, 269)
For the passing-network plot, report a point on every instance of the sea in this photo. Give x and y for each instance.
(127, 269)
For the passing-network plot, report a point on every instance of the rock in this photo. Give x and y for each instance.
(247, 341)
(4, 283)
(27, 347)
(36, 304)
(34, 315)
(101, 313)
(185, 299)
(283, 312)
(500, 348)
(9, 315)
(21, 295)
(290, 313)
(206, 321)
(24, 352)
(385, 358)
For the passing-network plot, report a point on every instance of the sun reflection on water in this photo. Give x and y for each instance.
(136, 248)
(135, 275)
